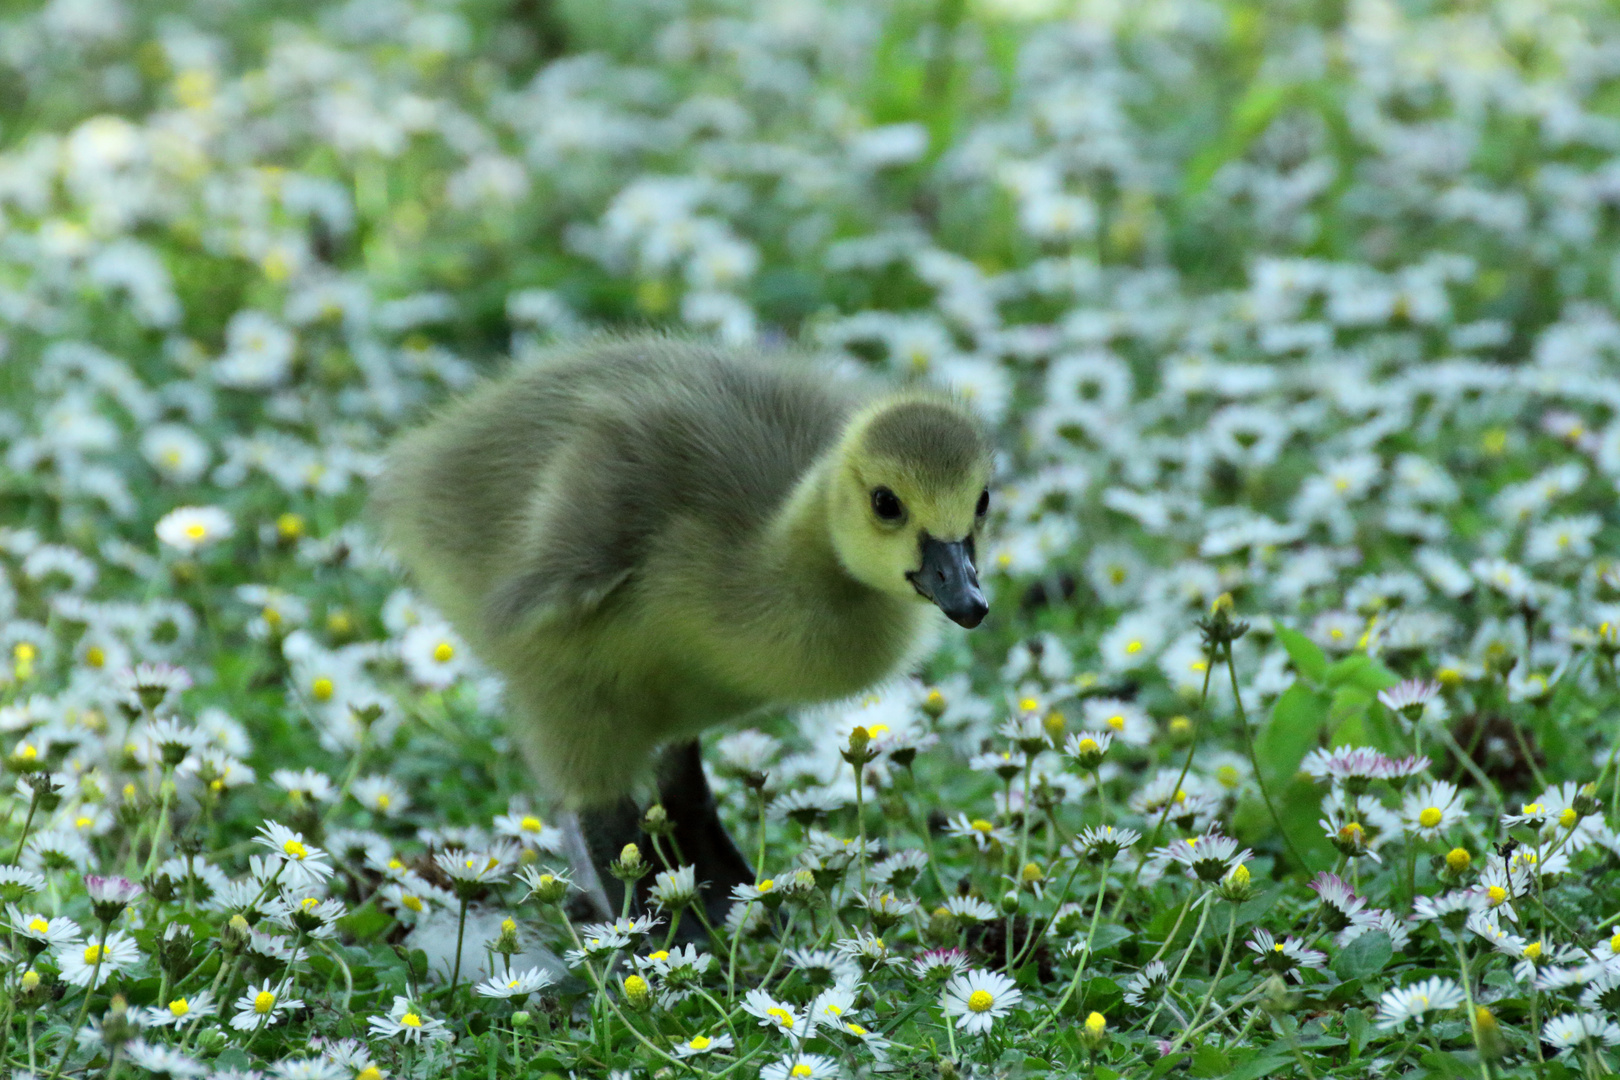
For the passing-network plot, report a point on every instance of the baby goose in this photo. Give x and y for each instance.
(647, 537)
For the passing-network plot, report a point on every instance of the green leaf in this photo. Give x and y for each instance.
(1107, 936)
(1264, 1065)
(1365, 956)
(1255, 908)
(1165, 1064)
(1443, 1064)
(1356, 1025)
(1306, 654)
(1210, 1061)
(232, 1058)
(1296, 721)
(1361, 670)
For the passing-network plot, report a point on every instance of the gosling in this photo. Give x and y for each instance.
(647, 537)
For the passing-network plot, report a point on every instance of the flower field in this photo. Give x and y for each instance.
(1289, 746)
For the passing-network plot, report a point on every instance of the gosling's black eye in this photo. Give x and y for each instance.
(886, 504)
(984, 503)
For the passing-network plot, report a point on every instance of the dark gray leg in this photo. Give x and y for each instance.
(605, 830)
(699, 837)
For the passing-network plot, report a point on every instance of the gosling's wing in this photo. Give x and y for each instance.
(682, 451)
(582, 535)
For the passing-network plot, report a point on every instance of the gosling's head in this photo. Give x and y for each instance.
(909, 494)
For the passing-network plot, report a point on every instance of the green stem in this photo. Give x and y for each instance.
(1192, 943)
(33, 804)
(84, 1006)
(1164, 813)
(166, 790)
(461, 931)
(1209, 995)
(1254, 761)
(1080, 965)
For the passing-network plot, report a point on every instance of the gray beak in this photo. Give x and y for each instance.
(948, 579)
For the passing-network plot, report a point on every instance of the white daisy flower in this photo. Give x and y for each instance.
(978, 998)
(119, 953)
(434, 656)
(304, 863)
(702, 1044)
(408, 1023)
(1414, 1002)
(772, 1013)
(180, 1010)
(263, 1005)
(515, 984)
(187, 529)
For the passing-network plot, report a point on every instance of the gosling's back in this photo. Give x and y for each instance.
(591, 523)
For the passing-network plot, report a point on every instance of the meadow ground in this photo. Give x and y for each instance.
(1290, 743)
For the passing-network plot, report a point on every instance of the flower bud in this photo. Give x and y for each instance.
(1095, 1030)
(521, 1018)
(637, 992)
(235, 934)
(859, 751)
(629, 866)
(506, 943)
(655, 822)
(934, 704)
(1489, 1033)
(1235, 886)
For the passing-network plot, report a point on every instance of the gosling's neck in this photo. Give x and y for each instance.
(799, 545)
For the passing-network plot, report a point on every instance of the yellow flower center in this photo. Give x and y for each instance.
(95, 656)
(1351, 833)
(1497, 894)
(94, 954)
(1278, 947)
(983, 826)
(370, 1072)
(981, 1001)
(263, 1002)
(410, 1019)
(38, 925)
(700, 1042)
(1117, 722)
(196, 530)
(1089, 746)
(384, 800)
(530, 823)
(30, 979)
(1430, 817)
(781, 1016)
(1568, 818)
(767, 885)
(179, 1007)
(322, 689)
(1133, 647)
(295, 849)
(801, 1069)
(854, 1029)
(1532, 951)
(443, 651)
